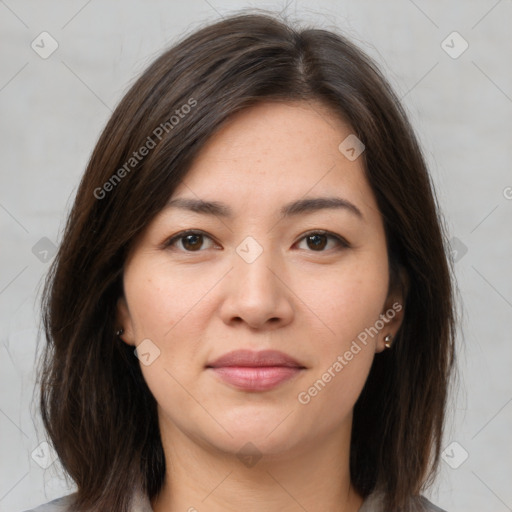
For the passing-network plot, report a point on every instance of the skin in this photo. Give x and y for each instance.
(197, 301)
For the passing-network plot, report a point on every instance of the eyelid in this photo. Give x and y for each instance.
(182, 234)
(342, 242)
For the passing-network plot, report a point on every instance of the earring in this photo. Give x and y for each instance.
(387, 340)
(119, 332)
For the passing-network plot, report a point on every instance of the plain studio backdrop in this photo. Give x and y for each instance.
(64, 67)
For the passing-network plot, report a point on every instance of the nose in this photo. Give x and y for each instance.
(257, 294)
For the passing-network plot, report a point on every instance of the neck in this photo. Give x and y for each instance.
(314, 476)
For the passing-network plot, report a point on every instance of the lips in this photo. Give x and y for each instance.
(255, 371)
(250, 359)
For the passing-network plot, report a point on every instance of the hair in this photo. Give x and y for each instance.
(95, 404)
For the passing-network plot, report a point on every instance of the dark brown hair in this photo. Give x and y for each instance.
(98, 411)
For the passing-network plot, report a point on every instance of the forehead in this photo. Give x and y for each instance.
(276, 152)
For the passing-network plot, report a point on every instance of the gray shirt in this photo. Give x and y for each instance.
(140, 503)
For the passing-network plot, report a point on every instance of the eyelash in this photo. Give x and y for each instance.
(342, 243)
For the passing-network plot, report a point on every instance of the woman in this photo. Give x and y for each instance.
(252, 306)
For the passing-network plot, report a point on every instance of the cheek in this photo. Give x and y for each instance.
(171, 307)
(347, 300)
(349, 306)
(166, 306)
(162, 298)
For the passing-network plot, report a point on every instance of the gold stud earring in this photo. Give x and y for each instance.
(387, 340)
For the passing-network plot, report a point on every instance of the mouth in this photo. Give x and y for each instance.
(255, 371)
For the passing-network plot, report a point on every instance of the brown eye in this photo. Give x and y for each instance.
(190, 241)
(319, 240)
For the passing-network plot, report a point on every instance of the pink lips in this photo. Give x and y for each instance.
(255, 371)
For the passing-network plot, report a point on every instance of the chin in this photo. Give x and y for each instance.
(255, 443)
(255, 430)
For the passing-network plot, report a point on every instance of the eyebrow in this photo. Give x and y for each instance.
(294, 208)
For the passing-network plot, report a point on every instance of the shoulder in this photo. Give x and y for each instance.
(428, 506)
(139, 503)
(61, 504)
(373, 503)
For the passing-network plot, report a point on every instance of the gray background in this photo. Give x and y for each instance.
(53, 110)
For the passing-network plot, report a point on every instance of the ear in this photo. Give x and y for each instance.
(393, 311)
(124, 321)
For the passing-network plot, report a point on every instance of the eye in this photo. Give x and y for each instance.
(318, 240)
(191, 240)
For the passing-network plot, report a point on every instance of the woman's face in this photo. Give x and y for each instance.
(259, 273)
